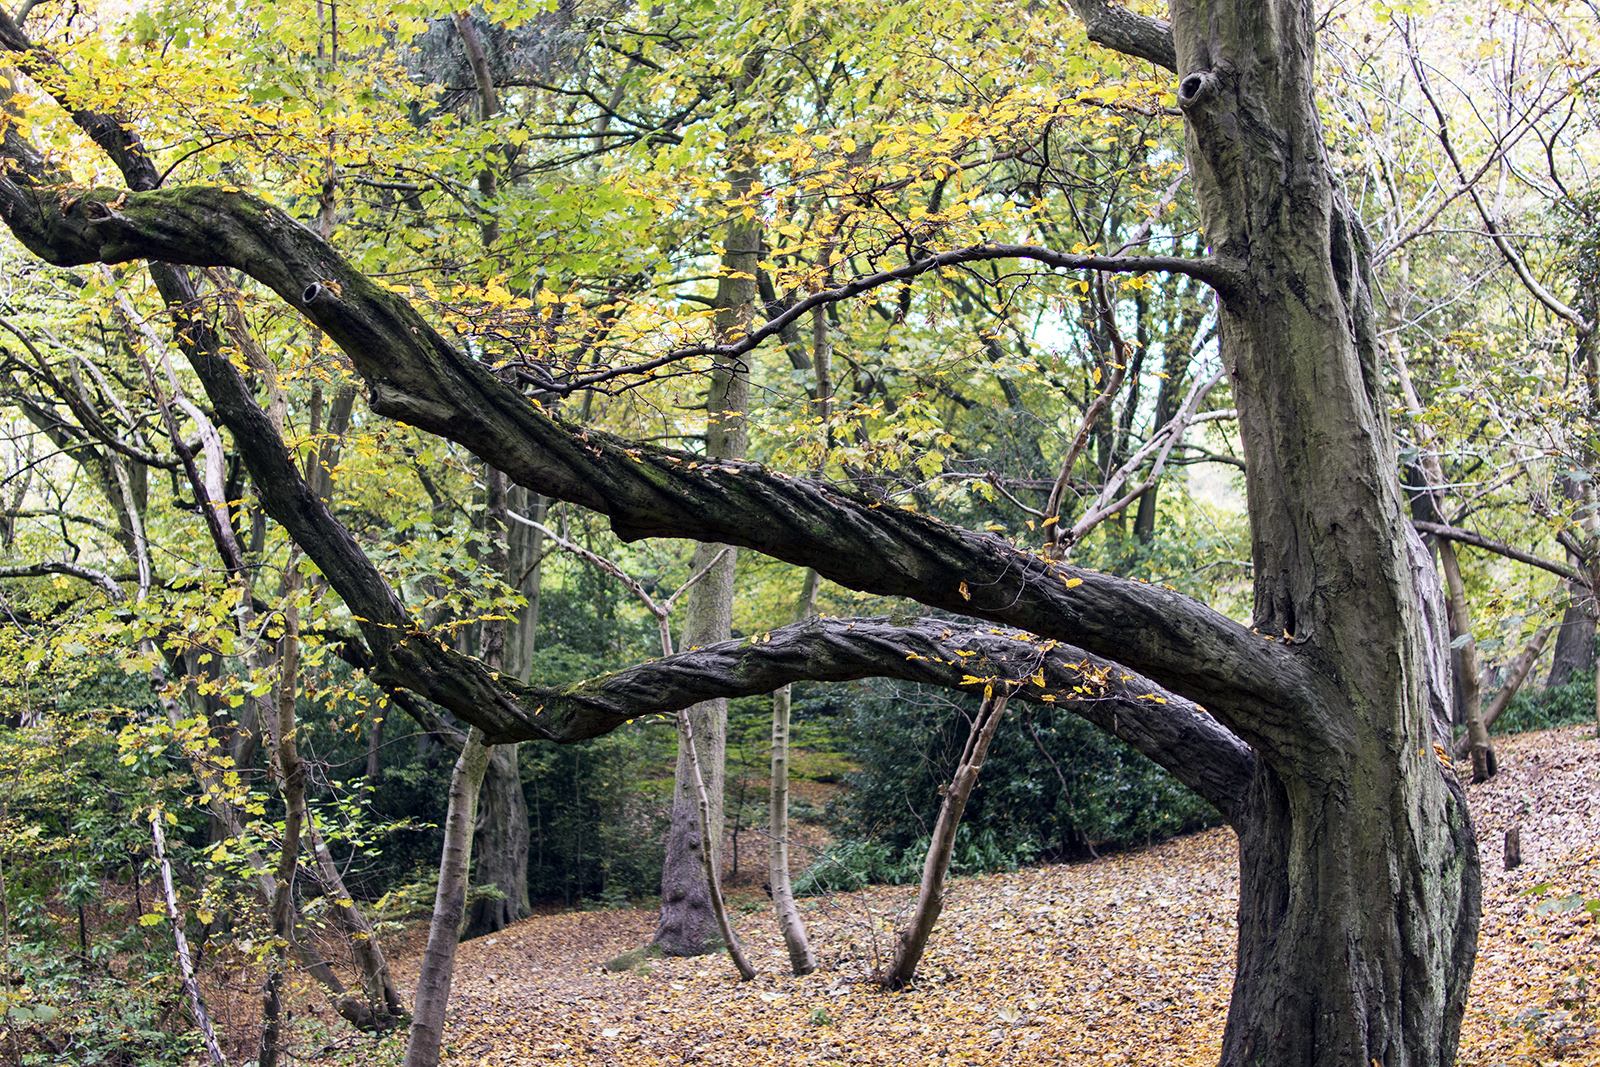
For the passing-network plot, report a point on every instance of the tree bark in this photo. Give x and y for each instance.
(707, 857)
(1359, 876)
(1479, 748)
(1519, 674)
(501, 840)
(930, 892)
(197, 1005)
(501, 844)
(801, 959)
(449, 904)
(1574, 652)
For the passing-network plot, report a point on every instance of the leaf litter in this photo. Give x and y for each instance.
(1124, 960)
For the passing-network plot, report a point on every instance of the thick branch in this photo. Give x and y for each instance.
(1120, 30)
(415, 375)
(1174, 732)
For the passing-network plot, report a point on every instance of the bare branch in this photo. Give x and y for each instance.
(88, 574)
(1500, 548)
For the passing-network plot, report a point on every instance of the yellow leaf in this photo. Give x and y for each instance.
(1073, 583)
(965, 593)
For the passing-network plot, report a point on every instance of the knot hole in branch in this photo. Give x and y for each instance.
(319, 291)
(1195, 87)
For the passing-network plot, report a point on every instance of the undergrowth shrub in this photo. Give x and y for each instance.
(1565, 705)
(1053, 787)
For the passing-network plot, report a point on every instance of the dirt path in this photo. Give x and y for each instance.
(1124, 960)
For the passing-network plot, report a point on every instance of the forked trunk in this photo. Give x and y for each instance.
(1359, 878)
(941, 845)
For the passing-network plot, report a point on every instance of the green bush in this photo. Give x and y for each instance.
(1566, 705)
(850, 863)
(1053, 787)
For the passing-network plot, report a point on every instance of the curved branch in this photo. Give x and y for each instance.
(1500, 548)
(1175, 732)
(415, 375)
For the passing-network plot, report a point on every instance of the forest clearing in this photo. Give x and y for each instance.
(1125, 959)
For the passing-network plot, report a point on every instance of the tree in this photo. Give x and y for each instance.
(1359, 870)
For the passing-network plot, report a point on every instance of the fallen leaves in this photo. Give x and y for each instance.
(1128, 959)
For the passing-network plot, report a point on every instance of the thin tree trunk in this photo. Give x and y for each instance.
(1468, 685)
(1519, 674)
(718, 908)
(449, 903)
(1484, 763)
(383, 998)
(291, 778)
(175, 914)
(801, 959)
(930, 894)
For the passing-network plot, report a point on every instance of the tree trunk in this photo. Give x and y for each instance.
(1359, 876)
(501, 840)
(801, 959)
(191, 987)
(688, 922)
(1519, 673)
(688, 925)
(449, 903)
(501, 845)
(525, 573)
(1574, 653)
(707, 857)
(1484, 763)
(387, 1009)
(930, 893)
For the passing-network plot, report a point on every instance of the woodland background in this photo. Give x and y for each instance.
(565, 188)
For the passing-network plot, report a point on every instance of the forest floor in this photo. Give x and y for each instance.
(1126, 959)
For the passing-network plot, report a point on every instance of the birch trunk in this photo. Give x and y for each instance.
(801, 959)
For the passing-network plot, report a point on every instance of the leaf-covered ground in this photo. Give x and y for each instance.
(1128, 959)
